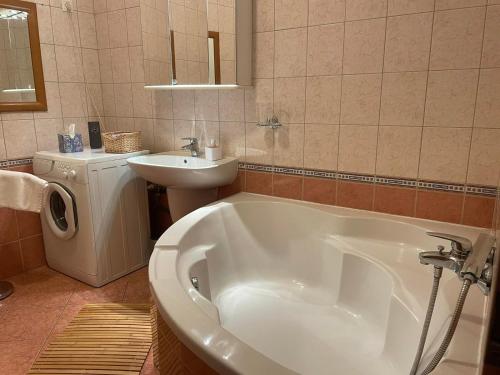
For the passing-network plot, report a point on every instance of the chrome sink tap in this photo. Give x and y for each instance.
(192, 146)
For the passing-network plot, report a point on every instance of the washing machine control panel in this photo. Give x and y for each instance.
(70, 172)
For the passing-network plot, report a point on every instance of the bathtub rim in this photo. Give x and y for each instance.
(245, 358)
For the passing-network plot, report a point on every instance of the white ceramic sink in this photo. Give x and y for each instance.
(191, 182)
(178, 170)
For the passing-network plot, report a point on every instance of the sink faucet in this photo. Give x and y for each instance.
(466, 261)
(192, 146)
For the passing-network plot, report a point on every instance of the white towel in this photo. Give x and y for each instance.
(22, 191)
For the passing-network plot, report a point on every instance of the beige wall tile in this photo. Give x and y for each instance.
(264, 55)
(91, 66)
(290, 54)
(53, 102)
(451, 96)
(142, 101)
(115, 4)
(146, 127)
(94, 100)
(403, 98)
(120, 65)
(163, 135)
(326, 11)
(290, 13)
(289, 146)
(108, 99)
(361, 99)
(134, 31)
(488, 99)
(136, 64)
(289, 99)
(408, 42)
(325, 49)
(206, 105)
(69, 67)
(439, 160)
(73, 99)
(46, 133)
(102, 30)
(363, 9)
(263, 15)
(323, 99)
(258, 144)
(232, 139)
(183, 105)
(453, 4)
(162, 104)
(49, 62)
(357, 148)
(88, 36)
(105, 68)
(396, 7)
(65, 27)
(259, 100)
(491, 44)
(398, 151)
(123, 99)
(364, 46)
(231, 105)
(117, 22)
(44, 24)
(484, 162)
(20, 138)
(456, 39)
(321, 146)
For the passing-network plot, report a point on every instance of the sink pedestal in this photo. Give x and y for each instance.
(183, 201)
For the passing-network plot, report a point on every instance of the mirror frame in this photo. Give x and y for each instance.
(40, 104)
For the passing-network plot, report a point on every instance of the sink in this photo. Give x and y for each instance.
(191, 182)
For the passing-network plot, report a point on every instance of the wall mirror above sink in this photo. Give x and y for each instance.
(199, 43)
(21, 74)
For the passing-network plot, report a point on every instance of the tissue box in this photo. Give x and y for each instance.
(68, 144)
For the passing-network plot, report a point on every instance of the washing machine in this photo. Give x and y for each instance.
(95, 219)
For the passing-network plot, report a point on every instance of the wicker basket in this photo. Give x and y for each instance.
(121, 142)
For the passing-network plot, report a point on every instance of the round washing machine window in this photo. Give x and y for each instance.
(61, 213)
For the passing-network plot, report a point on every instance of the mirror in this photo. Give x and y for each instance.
(21, 74)
(209, 42)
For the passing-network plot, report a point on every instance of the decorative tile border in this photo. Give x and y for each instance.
(15, 163)
(363, 178)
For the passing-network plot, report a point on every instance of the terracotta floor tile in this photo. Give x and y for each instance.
(355, 195)
(16, 359)
(11, 264)
(33, 252)
(23, 323)
(29, 223)
(441, 206)
(478, 211)
(8, 226)
(112, 292)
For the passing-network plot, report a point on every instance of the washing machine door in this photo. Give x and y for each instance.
(60, 211)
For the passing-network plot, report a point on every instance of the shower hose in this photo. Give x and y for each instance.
(451, 329)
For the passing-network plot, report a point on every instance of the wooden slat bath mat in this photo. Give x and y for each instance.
(103, 339)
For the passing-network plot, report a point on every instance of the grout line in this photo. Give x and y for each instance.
(474, 115)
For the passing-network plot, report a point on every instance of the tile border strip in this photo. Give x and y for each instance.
(4, 164)
(489, 191)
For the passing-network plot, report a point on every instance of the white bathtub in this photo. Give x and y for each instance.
(293, 287)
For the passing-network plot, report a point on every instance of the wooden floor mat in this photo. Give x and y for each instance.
(103, 339)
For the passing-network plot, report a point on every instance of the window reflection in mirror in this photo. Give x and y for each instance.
(202, 42)
(17, 83)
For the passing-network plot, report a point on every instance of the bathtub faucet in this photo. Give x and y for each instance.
(472, 264)
(467, 261)
(192, 146)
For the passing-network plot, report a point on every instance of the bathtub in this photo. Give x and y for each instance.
(261, 285)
